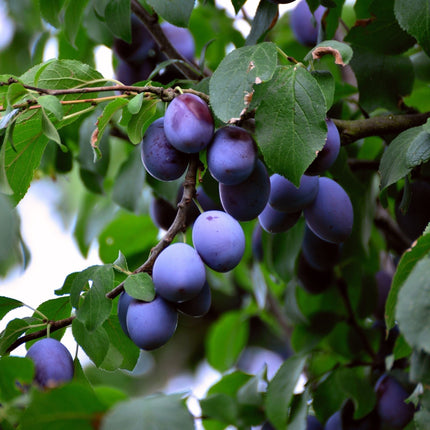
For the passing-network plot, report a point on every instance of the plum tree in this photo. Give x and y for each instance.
(286, 197)
(330, 215)
(178, 273)
(188, 123)
(246, 200)
(275, 221)
(159, 157)
(181, 39)
(327, 156)
(391, 402)
(219, 240)
(199, 305)
(52, 361)
(151, 324)
(231, 156)
(123, 303)
(306, 25)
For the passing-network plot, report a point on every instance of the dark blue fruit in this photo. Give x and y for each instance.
(151, 324)
(330, 216)
(383, 284)
(312, 423)
(319, 253)
(129, 74)
(391, 405)
(232, 154)
(188, 123)
(274, 221)
(245, 201)
(199, 305)
(257, 242)
(123, 303)
(312, 280)
(162, 213)
(327, 156)
(286, 197)
(181, 39)
(334, 422)
(160, 158)
(219, 240)
(178, 273)
(304, 25)
(53, 362)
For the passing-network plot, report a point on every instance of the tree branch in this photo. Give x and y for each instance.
(151, 23)
(353, 130)
(179, 224)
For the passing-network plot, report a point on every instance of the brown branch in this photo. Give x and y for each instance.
(353, 130)
(151, 23)
(177, 226)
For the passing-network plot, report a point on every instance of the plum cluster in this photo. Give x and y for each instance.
(137, 59)
(52, 361)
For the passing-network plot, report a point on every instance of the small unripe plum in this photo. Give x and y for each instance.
(232, 154)
(181, 39)
(391, 405)
(162, 213)
(178, 273)
(219, 240)
(199, 305)
(245, 201)
(330, 215)
(160, 158)
(53, 362)
(151, 324)
(328, 154)
(304, 25)
(286, 197)
(123, 303)
(274, 221)
(188, 123)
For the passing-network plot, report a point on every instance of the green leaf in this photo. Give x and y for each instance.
(408, 150)
(226, 339)
(72, 406)
(13, 331)
(118, 18)
(220, 407)
(237, 4)
(298, 412)
(236, 75)
(414, 17)
(177, 12)
(382, 34)
(50, 10)
(50, 131)
(8, 304)
(14, 370)
(341, 52)
(156, 412)
(72, 18)
(413, 304)
(93, 307)
(263, 20)
(140, 286)
(135, 104)
(120, 263)
(281, 389)
(327, 85)
(290, 125)
(138, 123)
(52, 104)
(129, 183)
(95, 343)
(382, 79)
(406, 264)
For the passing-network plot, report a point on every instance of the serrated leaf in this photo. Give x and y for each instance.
(72, 406)
(140, 286)
(118, 18)
(8, 304)
(406, 264)
(177, 12)
(327, 84)
(135, 104)
(413, 304)
(95, 343)
(414, 17)
(51, 104)
(72, 18)
(226, 339)
(139, 123)
(236, 75)
(157, 412)
(281, 389)
(120, 263)
(341, 52)
(408, 150)
(290, 121)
